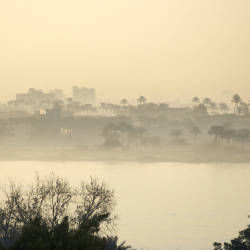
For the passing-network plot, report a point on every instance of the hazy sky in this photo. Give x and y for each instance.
(126, 48)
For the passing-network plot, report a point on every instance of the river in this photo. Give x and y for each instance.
(161, 206)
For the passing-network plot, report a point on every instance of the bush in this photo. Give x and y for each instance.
(51, 215)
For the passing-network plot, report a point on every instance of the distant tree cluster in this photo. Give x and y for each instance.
(123, 134)
(222, 134)
(240, 107)
(208, 104)
(52, 215)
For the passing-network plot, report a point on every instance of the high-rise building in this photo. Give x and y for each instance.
(84, 95)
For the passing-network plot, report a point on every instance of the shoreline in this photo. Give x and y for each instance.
(173, 154)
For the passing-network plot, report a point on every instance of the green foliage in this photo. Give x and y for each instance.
(40, 218)
(200, 110)
(112, 244)
(221, 133)
(34, 236)
(242, 242)
(122, 134)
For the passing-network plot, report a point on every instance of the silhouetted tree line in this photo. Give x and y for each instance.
(123, 134)
(129, 126)
(222, 134)
(52, 215)
(69, 107)
(240, 107)
(242, 242)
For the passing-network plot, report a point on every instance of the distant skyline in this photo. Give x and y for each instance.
(225, 96)
(162, 49)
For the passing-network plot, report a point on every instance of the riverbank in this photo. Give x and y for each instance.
(192, 154)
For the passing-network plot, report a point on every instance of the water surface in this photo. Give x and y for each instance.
(162, 205)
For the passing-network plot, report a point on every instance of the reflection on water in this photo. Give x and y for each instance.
(162, 205)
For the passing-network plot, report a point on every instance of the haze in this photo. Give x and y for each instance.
(160, 48)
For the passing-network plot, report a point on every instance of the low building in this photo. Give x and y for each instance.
(35, 96)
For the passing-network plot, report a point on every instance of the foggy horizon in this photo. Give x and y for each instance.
(224, 96)
(125, 125)
(160, 49)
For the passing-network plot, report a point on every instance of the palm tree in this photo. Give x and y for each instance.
(141, 100)
(207, 101)
(112, 244)
(195, 131)
(124, 102)
(236, 99)
(196, 100)
(103, 107)
(242, 108)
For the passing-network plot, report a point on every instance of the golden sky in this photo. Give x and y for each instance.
(125, 48)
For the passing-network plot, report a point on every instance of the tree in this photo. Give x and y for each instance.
(242, 242)
(141, 100)
(195, 131)
(59, 195)
(200, 110)
(236, 100)
(242, 108)
(217, 246)
(206, 101)
(43, 209)
(112, 244)
(124, 102)
(217, 132)
(95, 200)
(196, 100)
(228, 134)
(34, 235)
(122, 134)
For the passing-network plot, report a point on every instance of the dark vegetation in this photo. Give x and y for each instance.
(242, 242)
(53, 215)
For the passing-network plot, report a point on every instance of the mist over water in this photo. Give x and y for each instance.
(151, 97)
(161, 205)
